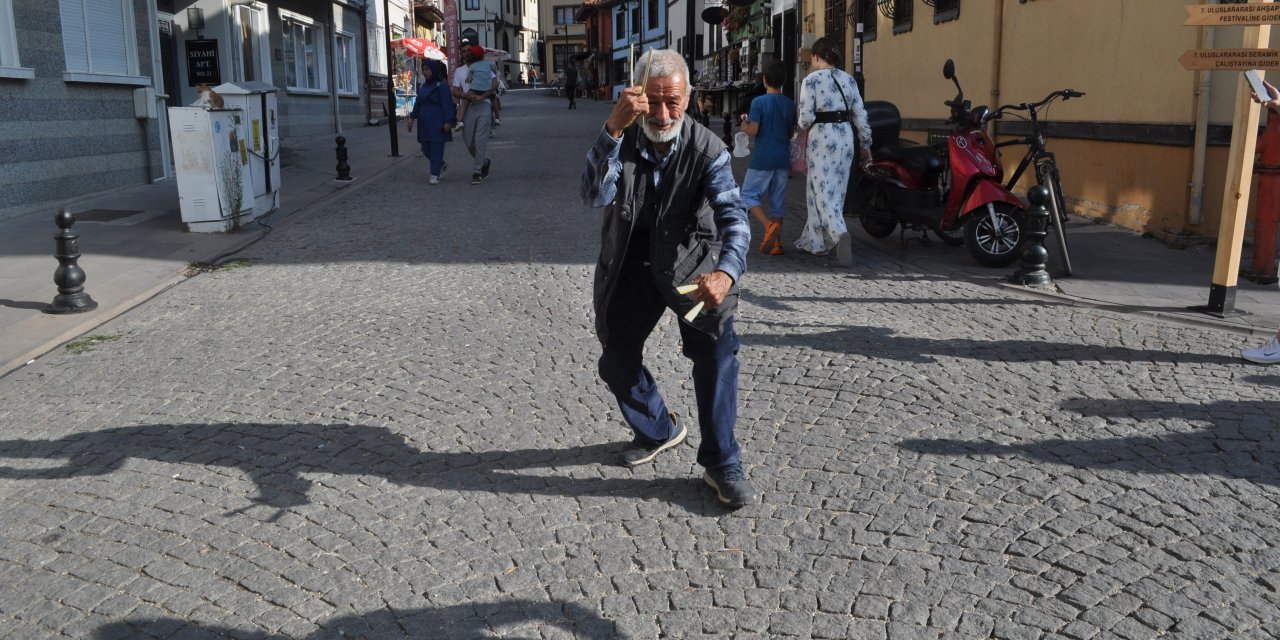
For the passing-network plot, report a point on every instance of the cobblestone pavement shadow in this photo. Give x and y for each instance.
(481, 619)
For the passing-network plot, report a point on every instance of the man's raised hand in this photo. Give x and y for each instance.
(631, 104)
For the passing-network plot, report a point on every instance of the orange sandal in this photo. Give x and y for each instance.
(771, 240)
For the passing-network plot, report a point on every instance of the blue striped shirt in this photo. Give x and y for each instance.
(600, 186)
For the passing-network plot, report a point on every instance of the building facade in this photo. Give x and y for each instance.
(1146, 148)
(84, 84)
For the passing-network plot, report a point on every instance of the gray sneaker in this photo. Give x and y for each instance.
(844, 250)
(731, 485)
(638, 453)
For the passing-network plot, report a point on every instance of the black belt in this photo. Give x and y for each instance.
(831, 116)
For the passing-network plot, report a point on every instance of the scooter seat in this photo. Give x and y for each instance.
(914, 156)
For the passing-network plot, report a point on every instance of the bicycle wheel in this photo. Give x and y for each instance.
(1052, 180)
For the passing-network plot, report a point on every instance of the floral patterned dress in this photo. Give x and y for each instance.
(830, 154)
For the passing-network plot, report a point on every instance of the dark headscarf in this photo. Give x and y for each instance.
(438, 73)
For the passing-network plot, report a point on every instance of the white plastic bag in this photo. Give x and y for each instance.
(740, 145)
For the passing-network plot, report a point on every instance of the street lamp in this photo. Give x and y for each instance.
(564, 29)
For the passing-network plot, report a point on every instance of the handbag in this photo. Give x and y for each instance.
(800, 152)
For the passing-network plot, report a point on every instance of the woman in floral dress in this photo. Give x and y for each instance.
(825, 90)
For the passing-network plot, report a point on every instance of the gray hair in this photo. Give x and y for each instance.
(661, 63)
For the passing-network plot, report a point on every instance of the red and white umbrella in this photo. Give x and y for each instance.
(419, 48)
(496, 55)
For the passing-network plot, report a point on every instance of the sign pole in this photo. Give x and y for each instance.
(1235, 197)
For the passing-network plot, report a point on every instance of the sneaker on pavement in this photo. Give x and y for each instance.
(844, 250)
(476, 178)
(497, 122)
(1268, 353)
(458, 127)
(434, 180)
(638, 453)
(731, 485)
(484, 171)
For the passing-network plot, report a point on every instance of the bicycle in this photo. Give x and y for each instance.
(1046, 164)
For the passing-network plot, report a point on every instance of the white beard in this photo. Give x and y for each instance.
(654, 135)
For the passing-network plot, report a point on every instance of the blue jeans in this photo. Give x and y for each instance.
(633, 312)
(434, 151)
(767, 189)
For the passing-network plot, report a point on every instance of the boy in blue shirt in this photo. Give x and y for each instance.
(770, 122)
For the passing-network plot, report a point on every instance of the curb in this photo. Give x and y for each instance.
(1056, 295)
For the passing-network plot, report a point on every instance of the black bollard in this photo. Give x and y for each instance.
(344, 169)
(69, 276)
(1031, 266)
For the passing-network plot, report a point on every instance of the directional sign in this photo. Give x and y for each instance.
(1232, 14)
(1230, 59)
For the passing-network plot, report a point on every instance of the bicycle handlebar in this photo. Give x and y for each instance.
(1065, 94)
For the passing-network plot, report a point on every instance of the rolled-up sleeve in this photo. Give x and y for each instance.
(730, 216)
(604, 165)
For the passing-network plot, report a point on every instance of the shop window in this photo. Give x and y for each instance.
(303, 53)
(945, 10)
(98, 38)
(833, 13)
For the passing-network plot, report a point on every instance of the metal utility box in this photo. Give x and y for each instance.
(214, 186)
(260, 135)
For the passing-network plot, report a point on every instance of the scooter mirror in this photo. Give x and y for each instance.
(949, 69)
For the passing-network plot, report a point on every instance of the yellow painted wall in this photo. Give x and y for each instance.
(1122, 53)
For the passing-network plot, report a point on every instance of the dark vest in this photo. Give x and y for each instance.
(683, 239)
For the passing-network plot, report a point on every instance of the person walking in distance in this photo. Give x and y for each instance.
(478, 121)
(673, 223)
(434, 111)
(571, 84)
(770, 121)
(831, 109)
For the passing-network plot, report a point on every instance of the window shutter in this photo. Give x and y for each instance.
(95, 36)
(75, 44)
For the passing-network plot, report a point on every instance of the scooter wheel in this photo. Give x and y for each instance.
(995, 235)
(877, 227)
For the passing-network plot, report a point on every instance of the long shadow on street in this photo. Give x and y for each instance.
(1240, 441)
(880, 342)
(461, 621)
(276, 456)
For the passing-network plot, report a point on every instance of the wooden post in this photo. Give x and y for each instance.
(1235, 198)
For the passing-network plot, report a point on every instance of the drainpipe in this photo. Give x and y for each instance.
(333, 67)
(364, 41)
(1204, 90)
(997, 50)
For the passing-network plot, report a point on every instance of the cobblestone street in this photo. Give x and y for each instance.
(386, 422)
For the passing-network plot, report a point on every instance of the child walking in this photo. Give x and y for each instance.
(770, 122)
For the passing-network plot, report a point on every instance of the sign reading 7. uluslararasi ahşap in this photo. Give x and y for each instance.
(1204, 15)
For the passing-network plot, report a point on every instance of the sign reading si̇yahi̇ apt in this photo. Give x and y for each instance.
(1207, 15)
(1230, 59)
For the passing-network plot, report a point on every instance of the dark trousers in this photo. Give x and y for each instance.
(571, 90)
(434, 151)
(634, 311)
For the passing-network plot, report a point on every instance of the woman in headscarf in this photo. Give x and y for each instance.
(830, 107)
(435, 114)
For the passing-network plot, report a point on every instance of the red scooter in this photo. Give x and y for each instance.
(956, 193)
